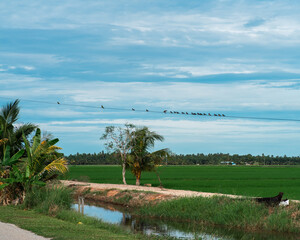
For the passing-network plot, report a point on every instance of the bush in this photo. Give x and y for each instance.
(48, 200)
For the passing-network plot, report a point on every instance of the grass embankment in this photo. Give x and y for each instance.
(50, 216)
(224, 211)
(257, 181)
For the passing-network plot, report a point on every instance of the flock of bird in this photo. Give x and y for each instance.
(186, 113)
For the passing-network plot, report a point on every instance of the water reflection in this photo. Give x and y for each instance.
(180, 230)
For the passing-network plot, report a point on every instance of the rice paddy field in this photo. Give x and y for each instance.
(262, 181)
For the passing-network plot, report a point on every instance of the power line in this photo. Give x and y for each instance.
(194, 113)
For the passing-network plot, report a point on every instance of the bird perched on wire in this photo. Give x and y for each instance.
(58, 102)
(187, 113)
(215, 115)
(223, 115)
(132, 109)
(147, 110)
(209, 114)
(102, 106)
(182, 113)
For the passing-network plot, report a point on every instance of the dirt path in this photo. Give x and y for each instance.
(164, 191)
(12, 232)
(172, 192)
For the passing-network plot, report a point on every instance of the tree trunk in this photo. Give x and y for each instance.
(123, 172)
(138, 177)
(160, 183)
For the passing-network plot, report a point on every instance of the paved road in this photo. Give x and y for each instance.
(12, 232)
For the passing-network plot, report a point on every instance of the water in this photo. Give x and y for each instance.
(179, 230)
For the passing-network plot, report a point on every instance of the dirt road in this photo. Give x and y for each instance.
(173, 192)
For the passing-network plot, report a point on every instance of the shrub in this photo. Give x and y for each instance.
(48, 200)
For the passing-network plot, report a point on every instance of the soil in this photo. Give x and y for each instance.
(131, 195)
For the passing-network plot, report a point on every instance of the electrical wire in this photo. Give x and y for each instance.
(171, 112)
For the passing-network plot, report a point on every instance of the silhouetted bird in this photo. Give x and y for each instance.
(182, 113)
(187, 113)
(165, 111)
(171, 112)
(58, 102)
(147, 110)
(219, 115)
(204, 114)
(215, 115)
(132, 109)
(102, 106)
(223, 115)
(209, 114)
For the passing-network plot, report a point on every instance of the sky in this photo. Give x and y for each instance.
(238, 58)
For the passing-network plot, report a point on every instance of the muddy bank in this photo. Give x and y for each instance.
(127, 198)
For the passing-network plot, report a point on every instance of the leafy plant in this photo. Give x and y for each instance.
(10, 134)
(140, 158)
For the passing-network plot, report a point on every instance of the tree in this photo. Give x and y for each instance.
(140, 158)
(119, 140)
(10, 134)
(42, 163)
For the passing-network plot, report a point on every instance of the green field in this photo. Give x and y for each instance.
(240, 180)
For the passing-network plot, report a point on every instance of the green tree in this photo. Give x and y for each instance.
(42, 163)
(140, 158)
(119, 140)
(10, 133)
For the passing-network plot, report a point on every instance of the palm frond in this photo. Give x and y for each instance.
(10, 112)
(58, 165)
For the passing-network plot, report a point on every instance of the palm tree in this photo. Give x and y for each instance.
(43, 161)
(10, 134)
(140, 158)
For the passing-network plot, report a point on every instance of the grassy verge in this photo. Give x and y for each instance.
(224, 211)
(46, 212)
(65, 226)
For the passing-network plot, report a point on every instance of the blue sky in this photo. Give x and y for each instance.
(233, 57)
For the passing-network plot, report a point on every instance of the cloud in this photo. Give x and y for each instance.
(258, 95)
(198, 130)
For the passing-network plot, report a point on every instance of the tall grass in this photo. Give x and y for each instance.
(48, 200)
(225, 211)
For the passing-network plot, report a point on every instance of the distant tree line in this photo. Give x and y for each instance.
(103, 158)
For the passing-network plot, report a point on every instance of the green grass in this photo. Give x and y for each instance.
(48, 200)
(225, 211)
(239, 180)
(65, 225)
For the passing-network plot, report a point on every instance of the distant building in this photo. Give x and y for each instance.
(229, 163)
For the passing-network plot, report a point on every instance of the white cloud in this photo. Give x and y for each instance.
(28, 68)
(196, 130)
(181, 96)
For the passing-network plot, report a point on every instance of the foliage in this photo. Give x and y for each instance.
(225, 211)
(119, 140)
(102, 158)
(47, 199)
(140, 158)
(43, 159)
(41, 164)
(10, 134)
